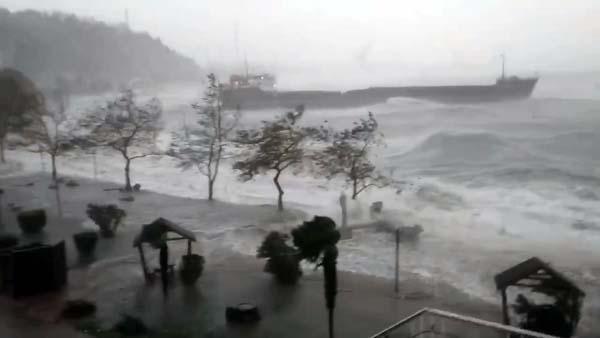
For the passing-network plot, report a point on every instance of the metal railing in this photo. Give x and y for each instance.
(432, 323)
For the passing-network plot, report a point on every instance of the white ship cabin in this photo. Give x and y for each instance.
(263, 81)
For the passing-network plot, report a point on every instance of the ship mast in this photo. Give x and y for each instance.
(503, 61)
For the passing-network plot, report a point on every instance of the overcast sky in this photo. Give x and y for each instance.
(430, 39)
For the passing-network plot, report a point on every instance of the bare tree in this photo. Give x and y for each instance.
(20, 101)
(276, 146)
(349, 154)
(52, 131)
(127, 127)
(203, 147)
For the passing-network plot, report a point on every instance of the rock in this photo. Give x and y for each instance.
(127, 198)
(242, 313)
(72, 184)
(131, 326)
(78, 308)
(30, 184)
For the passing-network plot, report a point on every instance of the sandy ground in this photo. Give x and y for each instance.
(115, 282)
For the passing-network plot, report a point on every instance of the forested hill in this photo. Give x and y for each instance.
(90, 55)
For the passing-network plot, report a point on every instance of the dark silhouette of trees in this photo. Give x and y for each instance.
(203, 147)
(348, 155)
(316, 241)
(276, 146)
(283, 260)
(91, 55)
(20, 102)
(126, 126)
(52, 131)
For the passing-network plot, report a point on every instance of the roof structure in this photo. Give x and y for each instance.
(154, 231)
(535, 274)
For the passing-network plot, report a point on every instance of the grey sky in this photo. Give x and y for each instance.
(428, 39)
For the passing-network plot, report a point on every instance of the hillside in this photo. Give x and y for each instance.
(90, 55)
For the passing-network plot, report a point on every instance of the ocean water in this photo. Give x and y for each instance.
(491, 184)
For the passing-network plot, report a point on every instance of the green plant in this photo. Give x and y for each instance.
(107, 217)
(282, 259)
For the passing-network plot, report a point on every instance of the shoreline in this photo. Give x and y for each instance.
(360, 295)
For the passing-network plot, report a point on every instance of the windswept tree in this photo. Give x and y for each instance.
(349, 155)
(276, 146)
(52, 131)
(20, 101)
(126, 126)
(316, 242)
(204, 146)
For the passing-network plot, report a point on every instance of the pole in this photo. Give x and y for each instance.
(396, 284)
(503, 61)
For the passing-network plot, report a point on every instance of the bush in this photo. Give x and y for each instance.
(85, 242)
(107, 217)
(32, 221)
(282, 259)
(312, 237)
(191, 268)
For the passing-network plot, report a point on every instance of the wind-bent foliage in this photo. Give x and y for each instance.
(282, 259)
(203, 147)
(276, 146)
(348, 155)
(127, 127)
(20, 102)
(316, 240)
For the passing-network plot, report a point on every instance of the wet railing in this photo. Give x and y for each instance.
(432, 323)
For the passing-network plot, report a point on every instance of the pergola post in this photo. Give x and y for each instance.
(143, 260)
(505, 319)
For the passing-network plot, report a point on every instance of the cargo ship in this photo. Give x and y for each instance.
(252, 92)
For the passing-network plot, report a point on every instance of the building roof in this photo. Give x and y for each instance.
(155, 230)
(539, 274)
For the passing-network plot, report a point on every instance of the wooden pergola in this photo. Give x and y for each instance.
(157, 232)
(537, 276)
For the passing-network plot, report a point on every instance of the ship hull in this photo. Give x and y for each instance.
(255, 98)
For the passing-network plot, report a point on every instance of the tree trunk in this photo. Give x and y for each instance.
(330, 323)
(354, 189)
(53, 157)
(280, 197)
(127, 178)
(2, 159)
(211, 184)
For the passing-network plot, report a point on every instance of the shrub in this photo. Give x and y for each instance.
(32, 221)
(107, 217)
(282, 259)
